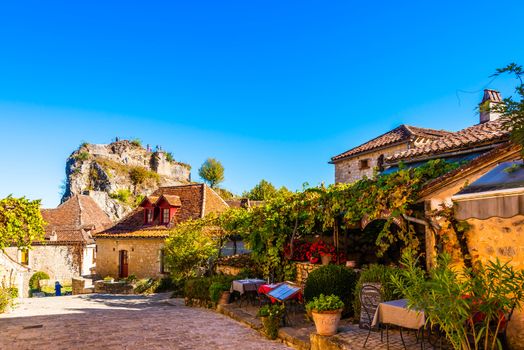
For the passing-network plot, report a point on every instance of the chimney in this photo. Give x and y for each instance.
(489, 109)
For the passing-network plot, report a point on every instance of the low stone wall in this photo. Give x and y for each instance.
(113, 287)
(228, 270)
(303, 271)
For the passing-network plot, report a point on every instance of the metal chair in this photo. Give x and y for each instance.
(370, 298)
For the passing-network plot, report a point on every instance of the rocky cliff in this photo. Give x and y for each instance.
(118, 174)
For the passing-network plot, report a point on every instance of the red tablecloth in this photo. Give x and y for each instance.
(266, 288)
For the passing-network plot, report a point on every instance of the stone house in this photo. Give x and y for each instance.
(414, 146)
(134, 246)
(68, 249)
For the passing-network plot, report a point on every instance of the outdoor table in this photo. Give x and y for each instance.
(247, 285)
(396, 312)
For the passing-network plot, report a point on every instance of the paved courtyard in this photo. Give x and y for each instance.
(109, 322)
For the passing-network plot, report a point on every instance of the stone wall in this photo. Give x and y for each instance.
(143, 256)
(348, 170)
(60, 262)
(303, 271)
(113, 287)
(501, 238)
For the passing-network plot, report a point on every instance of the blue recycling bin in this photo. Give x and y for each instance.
(58, 289)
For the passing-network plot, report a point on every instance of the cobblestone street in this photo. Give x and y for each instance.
(122, 322)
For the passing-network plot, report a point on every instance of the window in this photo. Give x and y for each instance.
(363, 164)
(149, 216)
(24, 257)
(165, 215)
(380, 163)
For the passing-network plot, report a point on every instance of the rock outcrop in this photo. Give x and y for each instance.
(118, 174)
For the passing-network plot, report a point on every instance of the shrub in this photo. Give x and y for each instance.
(332, 279)
(169, 157)
(13, 292)
(467, 306)
(198, 288)
(272, 315)
(216, 289)
(108, 279)
(82, 156)
(122, 195)
(325, 303)
(139, 175)
(5, 300)
(147, 286)
(136, 142)
(377, 274)
(34, 281)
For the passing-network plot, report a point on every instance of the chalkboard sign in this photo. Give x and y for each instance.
(283, 292)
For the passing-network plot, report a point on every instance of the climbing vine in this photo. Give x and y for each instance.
(269, 229)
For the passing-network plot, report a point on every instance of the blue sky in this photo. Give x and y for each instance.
(273, 89)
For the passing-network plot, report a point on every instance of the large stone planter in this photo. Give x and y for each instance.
(327, 322)
(224, 298)
(515, 331)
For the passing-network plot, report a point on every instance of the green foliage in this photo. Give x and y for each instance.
(467, 306)
(513, 109)
(125, 196)
(224, 194)
(13, 292)
(34, 281)
(169, 157)
(81, 156)
(207, 289)
(147, 286)
(262, 191)
(136, 142)
(377, 274)
(139, 175)
(271, 318)
(216, 289)
(83, 145)
(212, 172)
(325, 303)
(5, 299)
(108, 279)
(332, 279)
(21, 222)
(189, 248)
(185, 165)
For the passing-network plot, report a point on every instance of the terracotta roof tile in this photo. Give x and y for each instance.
(196, 200)
(75, 220)
(491, 132)
(399, 134)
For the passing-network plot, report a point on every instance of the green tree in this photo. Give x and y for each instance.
(21, 222)
(513, 108)
(264, 190)
(212, 172)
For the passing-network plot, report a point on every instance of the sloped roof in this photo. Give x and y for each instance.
(196, 201)
(171, 200)
(72, 220)
(397, 135)
(487, 133)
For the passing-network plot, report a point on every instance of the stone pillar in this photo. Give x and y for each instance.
(78, 285)
(515, 331)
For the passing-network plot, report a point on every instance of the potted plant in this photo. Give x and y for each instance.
(326, 312)
(320, 251)
(271, 316)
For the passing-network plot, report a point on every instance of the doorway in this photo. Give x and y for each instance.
(123, 264)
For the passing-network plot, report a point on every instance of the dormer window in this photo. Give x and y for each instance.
(165, 216)
(149, 216)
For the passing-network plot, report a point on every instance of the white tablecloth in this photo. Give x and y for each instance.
(396, 312)
(247, 285)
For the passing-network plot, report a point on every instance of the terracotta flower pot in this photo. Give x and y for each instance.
(326, 259)
(224, 298)
(326, 322)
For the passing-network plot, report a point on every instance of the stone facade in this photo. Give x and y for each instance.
(501, 238)
(60, 262)
(349, 170)
(143, 256)
(303, 270)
